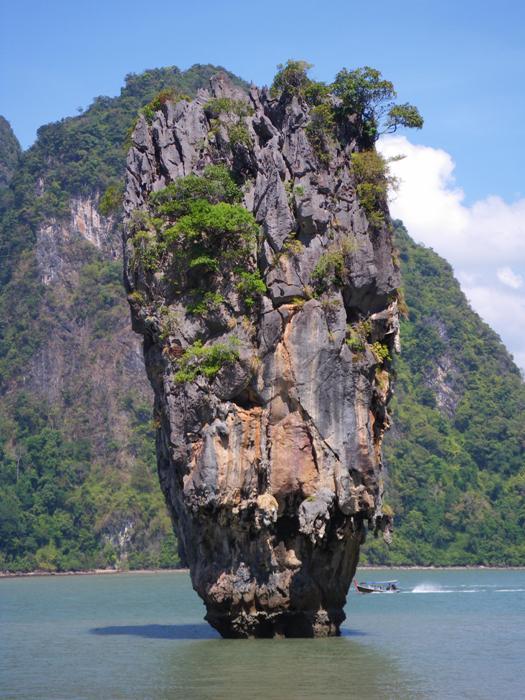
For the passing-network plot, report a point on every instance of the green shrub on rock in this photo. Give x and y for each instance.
(239, 134)
(147, 250)
(331, 266)
(330, 269)
(197, 220)
(291, 78)
(216, 184)
(381, 352)
(205, 360)
(320, 130)
(209, 301)
(209, 223)
(228, 105)
(249, 286)
(236, 128)
(170, 322)
(206, 262)
(373, 180)
(166, 95)
(358, 334)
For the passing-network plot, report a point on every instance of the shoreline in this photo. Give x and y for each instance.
(88, 572)
(142, 572)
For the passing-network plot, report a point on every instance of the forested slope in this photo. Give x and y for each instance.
(78, 484)
(455, 456)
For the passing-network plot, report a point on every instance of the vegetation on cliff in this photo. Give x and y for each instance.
(195, 222)
(455, 456)
(360, 99)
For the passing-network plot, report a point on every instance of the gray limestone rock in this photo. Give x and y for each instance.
(272, 467)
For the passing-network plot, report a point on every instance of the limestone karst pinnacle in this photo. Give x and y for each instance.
(269, 361)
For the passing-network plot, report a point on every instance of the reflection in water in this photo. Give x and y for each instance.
(194, 631)
(197, 631)
(202, 666)
(295, 669)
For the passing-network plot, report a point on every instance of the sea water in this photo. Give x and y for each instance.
(447, 634)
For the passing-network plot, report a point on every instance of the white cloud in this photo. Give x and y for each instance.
(506, 275)
(432, 208)
(484, 242)
(467, 279)
(501, 309)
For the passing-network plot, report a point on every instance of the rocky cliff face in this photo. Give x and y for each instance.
(56, 240)
(270, 399)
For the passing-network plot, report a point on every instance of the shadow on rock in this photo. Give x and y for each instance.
(197, 631)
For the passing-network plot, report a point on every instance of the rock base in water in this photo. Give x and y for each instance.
(280, 625)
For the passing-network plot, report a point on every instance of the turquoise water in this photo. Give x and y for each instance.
(449, 634)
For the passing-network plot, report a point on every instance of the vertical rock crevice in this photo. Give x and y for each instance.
(270, 460)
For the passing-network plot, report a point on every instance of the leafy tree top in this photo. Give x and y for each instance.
(362, 93)
(291, 78)
(365, 93)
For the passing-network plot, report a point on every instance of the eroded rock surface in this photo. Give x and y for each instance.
(272, 467)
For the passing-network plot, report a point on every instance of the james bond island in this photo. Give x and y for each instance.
(261, 272)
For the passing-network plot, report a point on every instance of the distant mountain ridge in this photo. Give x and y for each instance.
(77, 468)
(10, 152)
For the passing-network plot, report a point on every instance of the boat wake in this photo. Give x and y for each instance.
(436, 588)
(429, 588)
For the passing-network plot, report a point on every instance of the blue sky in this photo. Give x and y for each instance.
(462, 63)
